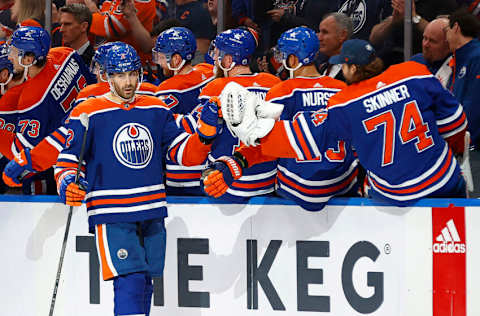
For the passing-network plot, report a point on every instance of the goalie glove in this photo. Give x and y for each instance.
(70, 192)
(207, 124)
(18, 168)
(221, 174)
(247, 116)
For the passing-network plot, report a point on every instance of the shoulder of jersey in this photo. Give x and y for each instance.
(148, 100)
(58, 54)
(9, 101)
(91, 105)
(267, 79)
(286, 87)
(214, 87)
(184, 82)
(396, 73)
(95, 89)
(205, 68)
(147, 86)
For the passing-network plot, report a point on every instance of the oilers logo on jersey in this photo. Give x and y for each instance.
(170, 100)
(133, 145)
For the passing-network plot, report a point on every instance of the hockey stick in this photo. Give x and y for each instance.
(84, 122)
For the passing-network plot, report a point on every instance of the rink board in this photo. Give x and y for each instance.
(268, 257)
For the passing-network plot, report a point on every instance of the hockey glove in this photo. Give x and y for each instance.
(220, 175)
(207, 125)
(17, 168)
(71, 193)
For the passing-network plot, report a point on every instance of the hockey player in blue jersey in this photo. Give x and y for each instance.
(173, 52)
(400, 122)
(122, 178)
(310, 183)
(52, 80)
(233, 50)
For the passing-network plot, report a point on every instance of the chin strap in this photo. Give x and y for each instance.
(290, 70)
(176, 70)
(225, 70)
(25, 67)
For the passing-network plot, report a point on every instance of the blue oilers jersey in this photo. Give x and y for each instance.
(311, 183)
(397, 123)
(124, 154)
(180, 93)
(260, 179)
(47, 98)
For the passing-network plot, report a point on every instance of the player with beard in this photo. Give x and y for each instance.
(45, 153)
(122, 178)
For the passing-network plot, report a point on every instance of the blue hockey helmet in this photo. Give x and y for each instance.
(5, 63)
(100, 56)
(238, 43)
(122, 58)
(175, 40)
(301, 42)
(31, 39)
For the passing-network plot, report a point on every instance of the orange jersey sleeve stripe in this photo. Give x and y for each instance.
(301, 140)
(132, 200)
(453, 126)
(192, 175)
(255, 185)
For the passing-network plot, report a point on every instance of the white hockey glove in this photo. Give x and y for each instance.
(247, 116)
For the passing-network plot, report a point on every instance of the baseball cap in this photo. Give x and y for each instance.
(354, 51)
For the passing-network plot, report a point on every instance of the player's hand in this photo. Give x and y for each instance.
(17, 168)
(71, 193)
(220, 175)
(207, 125)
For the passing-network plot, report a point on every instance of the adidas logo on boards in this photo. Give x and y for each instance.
(449, 240)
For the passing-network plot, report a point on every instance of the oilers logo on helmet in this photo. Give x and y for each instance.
(133, 145)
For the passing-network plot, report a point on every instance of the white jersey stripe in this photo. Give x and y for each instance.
(52, 142)
(97, 193)
(292, 140)
(126, 209)
(249, 193)
(417, 180)
(452, 117)
(422, 193)
(319, 183)
(308, 134)
(183, 184)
